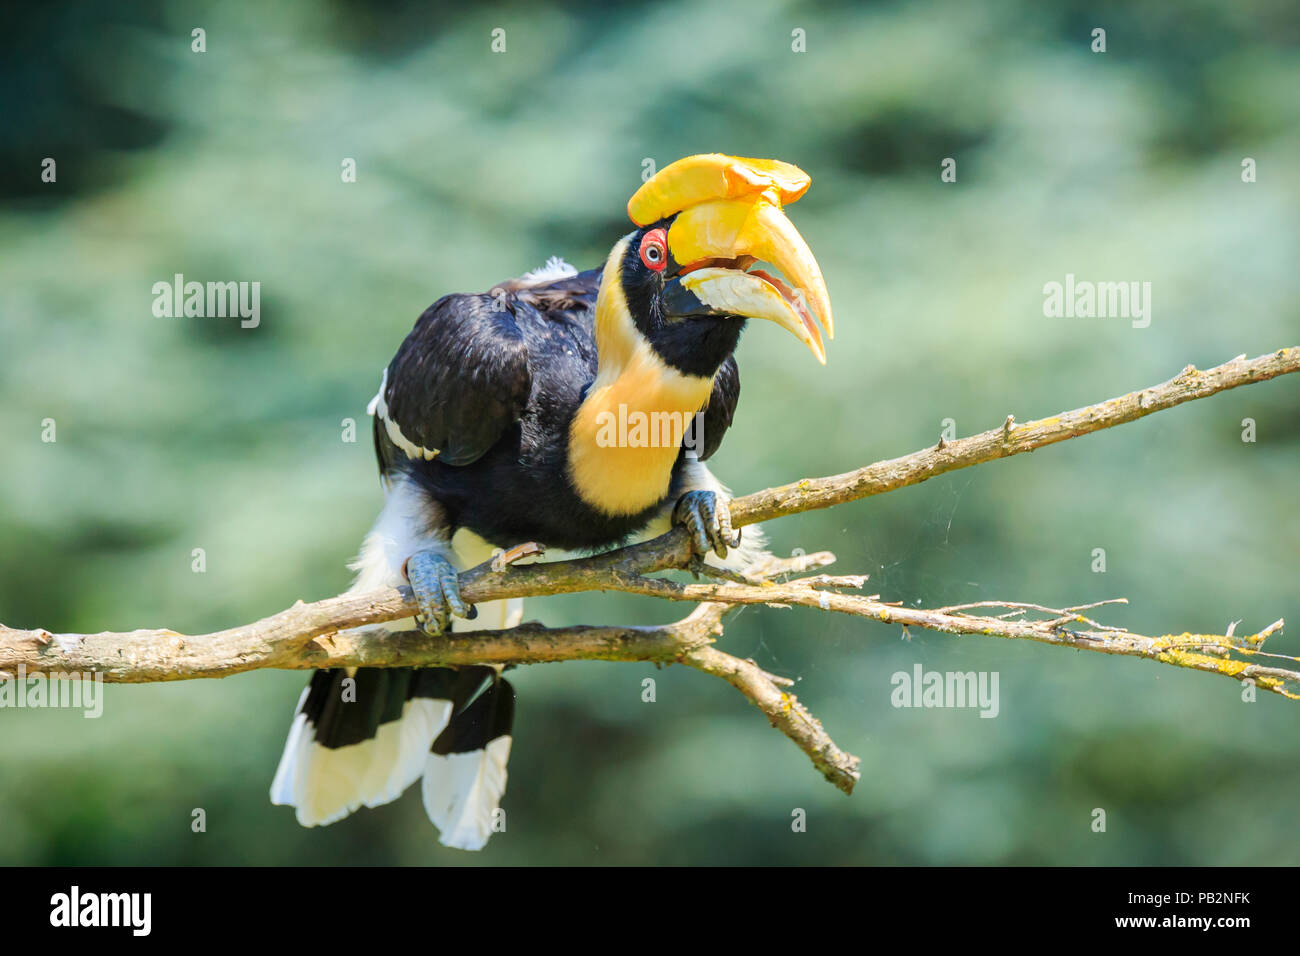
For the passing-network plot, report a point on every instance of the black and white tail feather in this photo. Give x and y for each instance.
(364, 744)
(362, 736)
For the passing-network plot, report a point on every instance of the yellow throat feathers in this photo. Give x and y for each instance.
(626, 435)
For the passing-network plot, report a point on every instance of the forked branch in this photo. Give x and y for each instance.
(325, 633)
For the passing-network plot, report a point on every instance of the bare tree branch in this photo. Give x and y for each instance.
(1010, 439)
(324, 633)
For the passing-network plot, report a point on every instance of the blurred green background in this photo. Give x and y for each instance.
(175, 434)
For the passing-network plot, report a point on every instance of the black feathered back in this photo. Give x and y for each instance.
(492, 381)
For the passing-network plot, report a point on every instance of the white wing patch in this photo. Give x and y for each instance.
(379, 407)
(379, 395)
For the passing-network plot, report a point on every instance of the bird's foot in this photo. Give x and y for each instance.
(503, 559)
(707, 516)
(436, 586)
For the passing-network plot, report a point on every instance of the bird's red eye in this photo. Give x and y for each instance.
(654, 250)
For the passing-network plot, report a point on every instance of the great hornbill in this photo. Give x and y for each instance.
(504, 418)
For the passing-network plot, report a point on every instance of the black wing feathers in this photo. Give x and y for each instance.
(722, 406)
(459, 380)
(574, 295)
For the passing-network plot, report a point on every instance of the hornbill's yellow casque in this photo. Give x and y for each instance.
(504, 418)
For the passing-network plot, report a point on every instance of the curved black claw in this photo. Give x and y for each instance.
(707, 516)
(436, 586)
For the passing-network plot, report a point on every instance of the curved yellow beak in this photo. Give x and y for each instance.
(729, 217)
(753, 294)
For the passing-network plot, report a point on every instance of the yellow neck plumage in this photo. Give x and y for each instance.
(621, 441)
